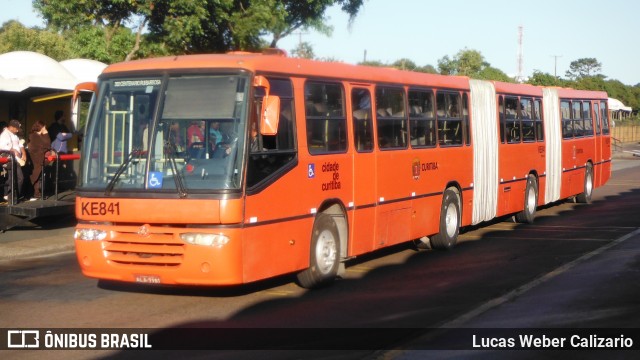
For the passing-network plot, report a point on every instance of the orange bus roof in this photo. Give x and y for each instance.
(274, 64)
(294, 67)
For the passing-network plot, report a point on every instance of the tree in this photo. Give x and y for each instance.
(303, 50)
(545, 79)
(470, 63)
(188, 26)
(405, 64)
(583, 67)
(107, 19)
(16, 37)
(293, 15)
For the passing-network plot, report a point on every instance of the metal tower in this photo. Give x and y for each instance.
(520, 74)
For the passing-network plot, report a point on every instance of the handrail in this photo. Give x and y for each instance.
(56, 157)
(51, 158)
(616, 144)
(11, 176)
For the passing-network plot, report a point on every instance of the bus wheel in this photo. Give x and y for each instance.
(449, 221)
(528, 214)
(325, 254)
(585, 197)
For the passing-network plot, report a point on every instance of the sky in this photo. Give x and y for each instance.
(555, 33)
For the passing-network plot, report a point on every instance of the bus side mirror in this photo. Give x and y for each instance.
(270, 110)
(76, 100)
(270, 115)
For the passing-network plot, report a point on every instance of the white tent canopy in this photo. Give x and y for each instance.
(21, 70)
(617, 105)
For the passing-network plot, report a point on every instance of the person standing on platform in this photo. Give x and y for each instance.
(39, 144)
(59, 133)
(10, 143)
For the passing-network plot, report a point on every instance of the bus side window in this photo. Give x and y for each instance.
(588, 121)
(450, 130)
(528, 124)
(269, 154)
(567, 125)
(578, 122)
(502, 120)
(362, 120)
(513, 121)
(325, 117)
(537, 113)
(596, 113)
(465, 119)
(604, 116)
(422, 119)
(392, 123)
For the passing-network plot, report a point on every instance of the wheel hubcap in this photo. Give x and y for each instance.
(589, 185)
(326, 251)
(531, 200)
(451, 220)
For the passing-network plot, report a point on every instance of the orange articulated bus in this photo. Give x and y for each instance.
(228, 169)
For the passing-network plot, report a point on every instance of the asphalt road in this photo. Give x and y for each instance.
(576, 266)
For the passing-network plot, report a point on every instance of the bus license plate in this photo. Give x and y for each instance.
(148, 279)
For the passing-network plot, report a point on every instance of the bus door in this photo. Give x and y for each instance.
(599, 155)
(364, 172)
(605, 144)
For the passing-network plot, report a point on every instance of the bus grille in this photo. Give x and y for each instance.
(153, 250)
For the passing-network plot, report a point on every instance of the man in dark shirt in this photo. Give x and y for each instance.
(58, 125)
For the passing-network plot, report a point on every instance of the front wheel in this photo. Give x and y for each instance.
(325, 254)
(528, 213)
(450, 220)
(585, 196)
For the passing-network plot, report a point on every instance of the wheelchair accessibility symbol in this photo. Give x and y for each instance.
(155, 180)
(311, 171)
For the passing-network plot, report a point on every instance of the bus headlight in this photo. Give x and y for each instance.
(213, 240)
(90, 234)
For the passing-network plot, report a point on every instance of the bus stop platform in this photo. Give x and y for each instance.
(22, 213)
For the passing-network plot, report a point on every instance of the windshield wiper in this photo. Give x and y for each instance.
(170, 152)
(121, 168)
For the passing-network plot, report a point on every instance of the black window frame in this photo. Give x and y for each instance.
(397, 121)
(330, 116)
(447, 119)
(362, 119)
(419, 118)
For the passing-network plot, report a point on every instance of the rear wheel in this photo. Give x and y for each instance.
(325, 254)
(585, 196)
(528, 214)
(449, 221)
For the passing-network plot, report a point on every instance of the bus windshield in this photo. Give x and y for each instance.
(169, 134)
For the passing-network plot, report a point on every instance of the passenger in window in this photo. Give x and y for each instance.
(195, 133)
(175, 139)
(254, 144)
(453, 111)
(363, 107)
(215, 136)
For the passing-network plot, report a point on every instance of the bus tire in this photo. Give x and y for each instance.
(449, 221)
(585, 196)
(528, 214)
(324, 258)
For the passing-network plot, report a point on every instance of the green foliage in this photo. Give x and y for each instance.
(629, 95)
(15, 37)
(303, 50)
(374, 63)
(545, 79)
(182, 26)
(491, 73)
(584, 67)
(470, 63)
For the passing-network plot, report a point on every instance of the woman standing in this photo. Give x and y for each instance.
(39, 144)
